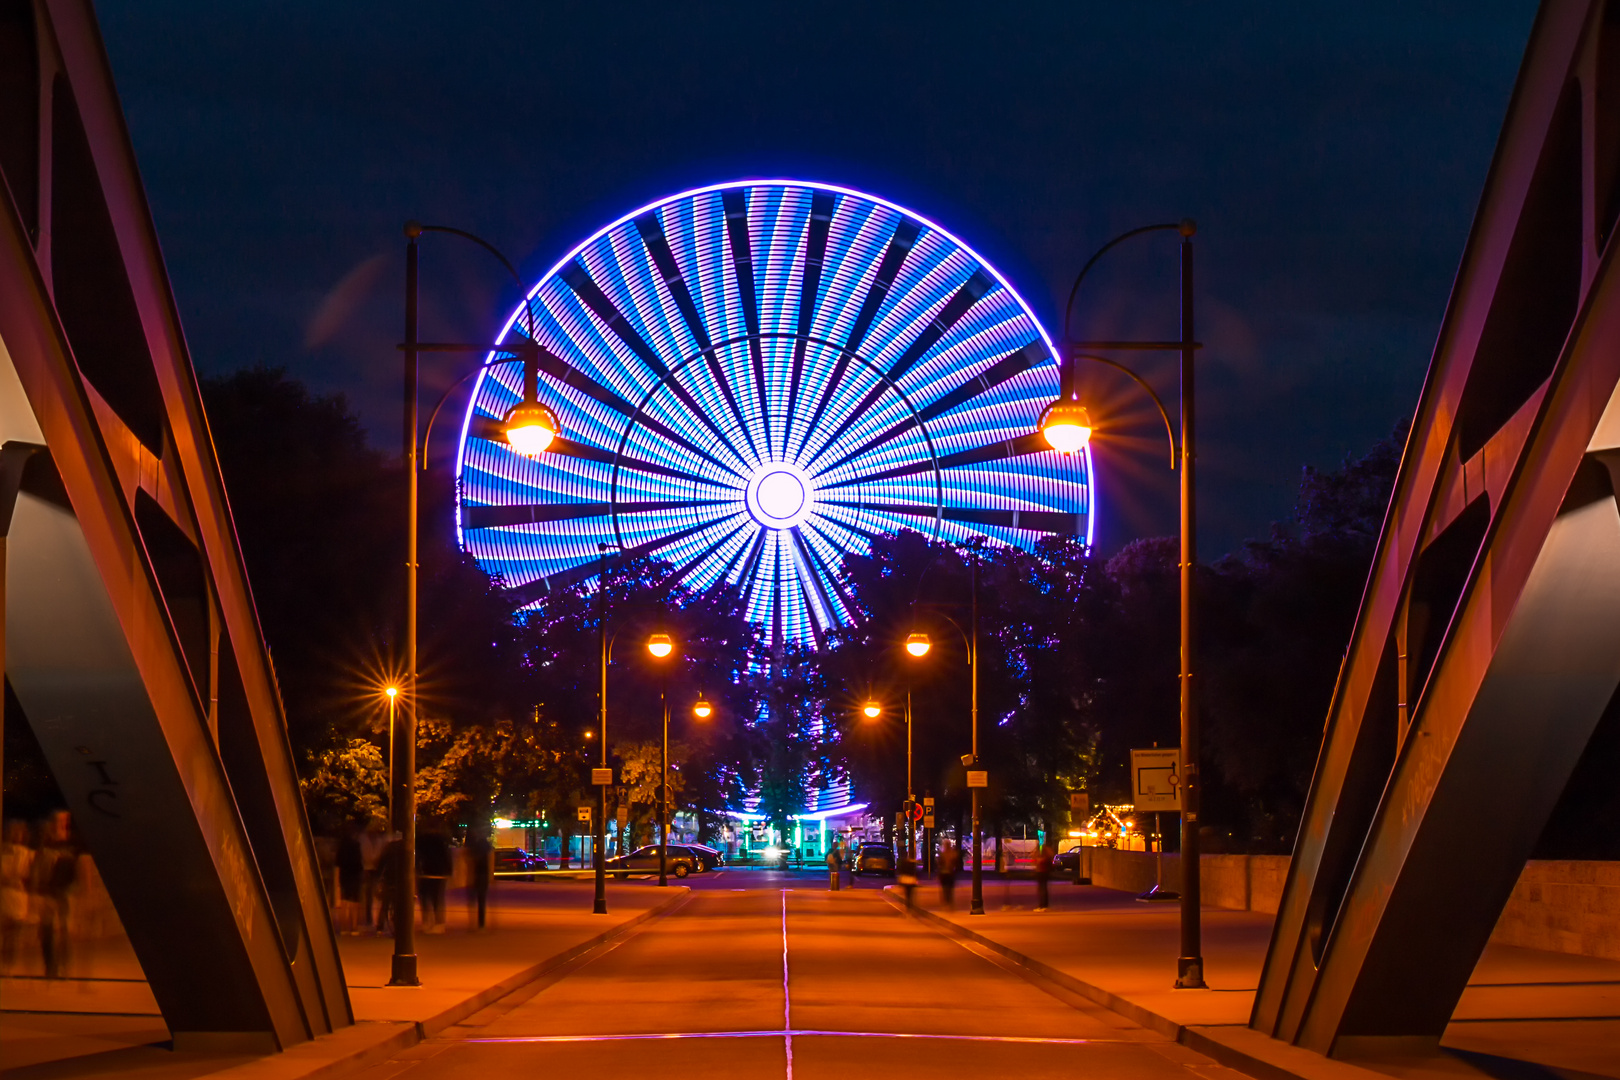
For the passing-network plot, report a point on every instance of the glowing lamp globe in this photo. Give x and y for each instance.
(530, 428)
(392, 692)
(872, 710)
(918, 645)
(660, 645)
(1067, 426)
(702, 710)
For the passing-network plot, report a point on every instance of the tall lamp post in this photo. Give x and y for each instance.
(1067, 427)
(530, 428)
(918, 645)
(661, 646)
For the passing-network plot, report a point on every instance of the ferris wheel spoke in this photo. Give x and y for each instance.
(900, 244)
(972, 291)
(681, 571)
(742, 261)
(657, 245)
(822, 575)
(1032, 443)
(491, 430)
(534, 590)
(585, 287)
(815, 254)
(1007, 367)
(510, 514)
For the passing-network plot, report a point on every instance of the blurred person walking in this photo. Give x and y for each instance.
(390, 905)
(373, 843)
(16, 881)
(835, 866)
(56, 868)
(949, 862)
(479, 853)
(350, 872)
(1043, 873)
(906, 876)
(433, 869)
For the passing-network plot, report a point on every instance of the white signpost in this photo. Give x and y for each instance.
(1156, 786)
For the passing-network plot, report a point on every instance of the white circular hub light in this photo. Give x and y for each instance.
(779, 495)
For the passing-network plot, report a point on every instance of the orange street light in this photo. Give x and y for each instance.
(702, 710)
(660, 645)
(530, 428)
(872, 710)
(392, 692)
(1066, 425)
(918, 645)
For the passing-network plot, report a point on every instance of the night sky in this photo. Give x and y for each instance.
(1332, 155)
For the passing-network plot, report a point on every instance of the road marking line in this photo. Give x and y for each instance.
(774, 1034)
(787, 1002)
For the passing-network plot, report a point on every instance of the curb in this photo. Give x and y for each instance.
(394, 1036)
(1192, 1037)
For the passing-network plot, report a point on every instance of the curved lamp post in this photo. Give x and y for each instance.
(1067, 427)
(530, 428)
(660, 646)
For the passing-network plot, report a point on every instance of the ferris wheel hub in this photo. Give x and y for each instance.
(779, 495)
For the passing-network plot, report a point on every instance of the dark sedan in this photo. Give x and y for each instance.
(1067, 862)
(872, 859)
(680, 862)
(517, 863)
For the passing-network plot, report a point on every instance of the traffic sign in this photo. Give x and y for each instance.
(584, 813)
(624, 816)
(916, 812)
(1079, 804)
(978, 778)
(928, 802)
(601, 777)
(928, 818)
(1155, 779)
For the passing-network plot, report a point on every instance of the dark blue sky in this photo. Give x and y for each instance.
(1332, 155)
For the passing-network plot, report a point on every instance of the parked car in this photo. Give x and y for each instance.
(708, 858)
(517, 863)
(680, 862)
(872, 859)
(1067, 862)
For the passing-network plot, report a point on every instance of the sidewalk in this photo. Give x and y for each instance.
(1524, 1008)
(105, 1020)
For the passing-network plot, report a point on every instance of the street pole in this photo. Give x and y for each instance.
(1190, 965)
(663, 790)
(973, 670)
(599, 905)
(911, 832)
(403, 972)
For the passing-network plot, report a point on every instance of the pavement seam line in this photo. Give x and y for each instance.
(787, 1001)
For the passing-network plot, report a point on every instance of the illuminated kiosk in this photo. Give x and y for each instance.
(754, 379)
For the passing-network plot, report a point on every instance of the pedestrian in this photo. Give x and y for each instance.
(1043, 873)
(905, 875)
(16, 879)
(56, 868)
(373, 842)
(479, 853)
(433, 867)
(350, 871)
(835, 863)
(949, 862)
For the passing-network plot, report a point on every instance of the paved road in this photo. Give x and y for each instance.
(771, 982)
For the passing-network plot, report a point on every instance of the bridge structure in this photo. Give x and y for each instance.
(1485, 654)
(131, 645)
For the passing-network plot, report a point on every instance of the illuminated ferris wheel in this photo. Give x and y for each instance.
(754, 379)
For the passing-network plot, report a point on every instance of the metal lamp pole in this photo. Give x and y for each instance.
(977, 907)
(1190, 964)
(663, 788)
(599, 904)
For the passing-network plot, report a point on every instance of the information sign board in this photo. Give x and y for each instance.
(978, 778)
(584, 813)
(1079, 804)
(602, 777)
(1156, 779)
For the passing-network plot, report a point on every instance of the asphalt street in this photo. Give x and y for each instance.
(778, 978)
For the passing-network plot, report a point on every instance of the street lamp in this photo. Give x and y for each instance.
(702, 710)
(872, 710)
(1067, 427)
(660, 646)
(918, 644)
(526, 432)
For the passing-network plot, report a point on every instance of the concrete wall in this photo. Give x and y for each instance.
(1564, 906)
(1567, 907)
